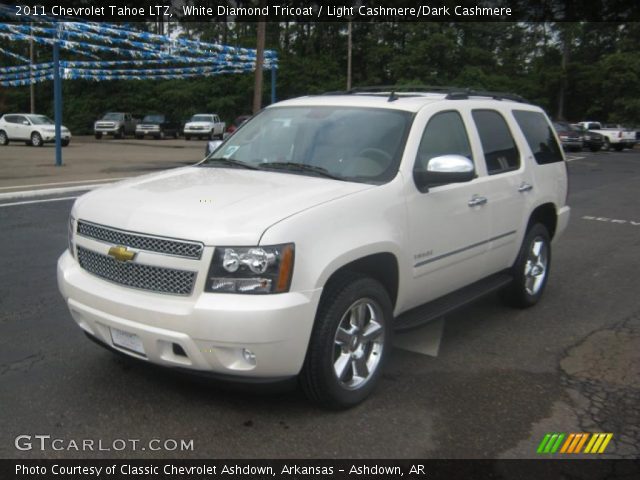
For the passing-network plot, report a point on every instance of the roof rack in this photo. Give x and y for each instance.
(452, 93)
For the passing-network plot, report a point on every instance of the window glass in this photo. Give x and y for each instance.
(349, 143)
(445, 134)
(539, 136)
(500, 150)
(11, 118)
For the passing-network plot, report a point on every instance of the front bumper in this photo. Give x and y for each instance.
(212, 330)
(51, 137)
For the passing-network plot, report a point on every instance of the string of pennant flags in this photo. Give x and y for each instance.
(148, 56)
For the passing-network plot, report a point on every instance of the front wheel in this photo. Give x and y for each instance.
(531, 269)
(65, 143)
(98, 135)
(606, 145)
(595, 148)
(350, 342)
(4, 138)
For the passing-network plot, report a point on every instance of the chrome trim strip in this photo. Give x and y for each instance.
(198, 247)
(460, 250)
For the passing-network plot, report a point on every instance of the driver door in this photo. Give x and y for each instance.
(449, 225)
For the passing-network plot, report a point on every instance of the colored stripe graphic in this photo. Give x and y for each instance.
(573, 443)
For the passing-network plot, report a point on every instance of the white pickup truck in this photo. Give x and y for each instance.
(614, 136)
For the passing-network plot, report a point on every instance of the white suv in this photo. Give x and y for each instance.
(32, 129)
(308, 236)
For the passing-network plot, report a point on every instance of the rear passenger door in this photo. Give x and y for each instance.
(511, 185)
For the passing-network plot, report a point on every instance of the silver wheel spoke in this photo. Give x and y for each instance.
(343, 337)
(373, 331)
(358, 315)
(341, 365)
(360, 368)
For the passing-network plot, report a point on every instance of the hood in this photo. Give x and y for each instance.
(217, 206)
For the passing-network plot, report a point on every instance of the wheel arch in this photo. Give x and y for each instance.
(546, 215)
(382, 267)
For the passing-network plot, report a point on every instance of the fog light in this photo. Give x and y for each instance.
(249, 356)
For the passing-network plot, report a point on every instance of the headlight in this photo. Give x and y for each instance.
(70, 230)
(251, 269)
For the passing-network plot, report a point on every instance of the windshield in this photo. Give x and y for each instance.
(347, 143)
(153, 119)
(112, 116)
(202, 118)
(40, 120)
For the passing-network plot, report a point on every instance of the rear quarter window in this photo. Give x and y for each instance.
(539, 136)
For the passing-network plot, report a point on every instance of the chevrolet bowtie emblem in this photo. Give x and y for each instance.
(121, 253)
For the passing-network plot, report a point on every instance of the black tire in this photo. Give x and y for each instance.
(4, 138)
(606, 145)
(618, 148)
(211, 135)
(120, 133)
(595, 148)
(318, 378)
(161, 135)
(65, 143)
(187, 137)
(97, 135)
(36, 139)
(521, 293)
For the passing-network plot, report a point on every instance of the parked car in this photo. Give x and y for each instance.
(570, 137)
(204, 125)
(614, 136)
(32, 129)
(304, 239)
(158, 126)
(118, 124)
(591, 140)
(237, 123)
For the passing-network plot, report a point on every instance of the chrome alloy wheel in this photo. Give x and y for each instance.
(358, 343)
(535, 269)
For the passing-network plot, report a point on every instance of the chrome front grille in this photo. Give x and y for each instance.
(136, 275)
(167, 246)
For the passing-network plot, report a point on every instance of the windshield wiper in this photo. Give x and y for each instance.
(299, 167)
(231, 161)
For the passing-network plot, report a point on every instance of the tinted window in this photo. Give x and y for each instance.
(10, 118)
(500, 151)
(444, 135)
(539, 136)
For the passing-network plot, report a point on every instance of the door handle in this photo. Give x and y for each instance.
(477, 201)
(525, 187)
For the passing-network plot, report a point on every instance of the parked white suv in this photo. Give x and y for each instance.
(308, 236)
(32, 129)
(204, 125)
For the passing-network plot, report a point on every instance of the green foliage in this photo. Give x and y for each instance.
(595, 65)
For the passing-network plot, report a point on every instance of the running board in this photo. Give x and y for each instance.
(442, 306)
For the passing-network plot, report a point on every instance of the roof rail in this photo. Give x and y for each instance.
(453, 93)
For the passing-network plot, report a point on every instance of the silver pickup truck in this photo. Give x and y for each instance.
(118, 124)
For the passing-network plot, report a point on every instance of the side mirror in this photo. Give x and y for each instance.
(443, 170)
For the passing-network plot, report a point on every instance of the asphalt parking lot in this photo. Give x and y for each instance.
(500, 381)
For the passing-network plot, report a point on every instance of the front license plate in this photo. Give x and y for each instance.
(129, 341)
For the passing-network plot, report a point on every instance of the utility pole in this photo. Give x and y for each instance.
(32, 86)
(349, 48)
(257, 89)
